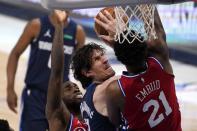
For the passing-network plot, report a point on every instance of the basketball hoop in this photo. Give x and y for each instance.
(140, 19)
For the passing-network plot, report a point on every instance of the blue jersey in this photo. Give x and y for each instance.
(39, 64)
(95, 120)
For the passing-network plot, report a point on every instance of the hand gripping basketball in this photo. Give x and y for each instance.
(99, 29)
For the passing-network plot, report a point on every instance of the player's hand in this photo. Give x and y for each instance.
(12, 100)
(59, 17)
(108, 23)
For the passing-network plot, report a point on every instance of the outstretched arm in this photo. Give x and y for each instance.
(158, 47)
(56, 112)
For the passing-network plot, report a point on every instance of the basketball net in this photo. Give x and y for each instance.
(139, 18)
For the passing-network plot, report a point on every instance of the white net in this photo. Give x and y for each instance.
(138, 21)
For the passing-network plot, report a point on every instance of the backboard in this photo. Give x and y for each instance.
(80, 4)
(135, 11)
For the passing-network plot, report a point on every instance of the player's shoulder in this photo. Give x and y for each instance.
(154, 62)
(108, 82)
(34, 24)
(32, 28)
(35, 21)
(112, 79)
(113, 84)
(79, 27)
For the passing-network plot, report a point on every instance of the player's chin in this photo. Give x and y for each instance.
(110, 72)
(78, 98)
(77, 101)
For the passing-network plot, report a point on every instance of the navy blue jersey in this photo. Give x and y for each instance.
(95, 120)
(38, 70)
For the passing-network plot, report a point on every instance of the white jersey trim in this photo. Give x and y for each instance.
(121, 88)
(157, 61)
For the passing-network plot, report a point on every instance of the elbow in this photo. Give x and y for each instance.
(14, 56)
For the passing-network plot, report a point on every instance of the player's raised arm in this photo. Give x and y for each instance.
(56, 112)
(158, 48)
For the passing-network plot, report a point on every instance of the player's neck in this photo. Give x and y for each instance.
(75, 112)
(136, 70)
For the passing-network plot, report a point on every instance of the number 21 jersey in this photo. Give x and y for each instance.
(150, 99)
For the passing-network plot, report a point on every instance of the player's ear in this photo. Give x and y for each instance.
(88, 73)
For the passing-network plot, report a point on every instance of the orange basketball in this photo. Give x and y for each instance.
(100, 30)
(97, 28)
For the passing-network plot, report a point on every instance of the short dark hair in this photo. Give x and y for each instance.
(131, 54)
(4, 125)
(82, 60)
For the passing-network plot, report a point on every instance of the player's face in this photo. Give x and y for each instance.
(100, 69)
(71, 93)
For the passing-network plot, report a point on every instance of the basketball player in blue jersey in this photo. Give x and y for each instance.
(63, 98)
(92, 69)
(39, 33)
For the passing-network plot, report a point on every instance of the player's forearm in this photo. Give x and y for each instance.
(57, 55)
(158, 48)
(11, 70)
(158, 26)
(56, 77)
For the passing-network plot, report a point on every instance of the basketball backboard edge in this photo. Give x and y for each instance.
(80, 4)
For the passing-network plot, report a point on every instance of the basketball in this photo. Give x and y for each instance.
(97, 28)
(100, 30)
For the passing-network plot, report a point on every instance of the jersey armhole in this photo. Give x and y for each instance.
(121, 88)
(156, 61)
